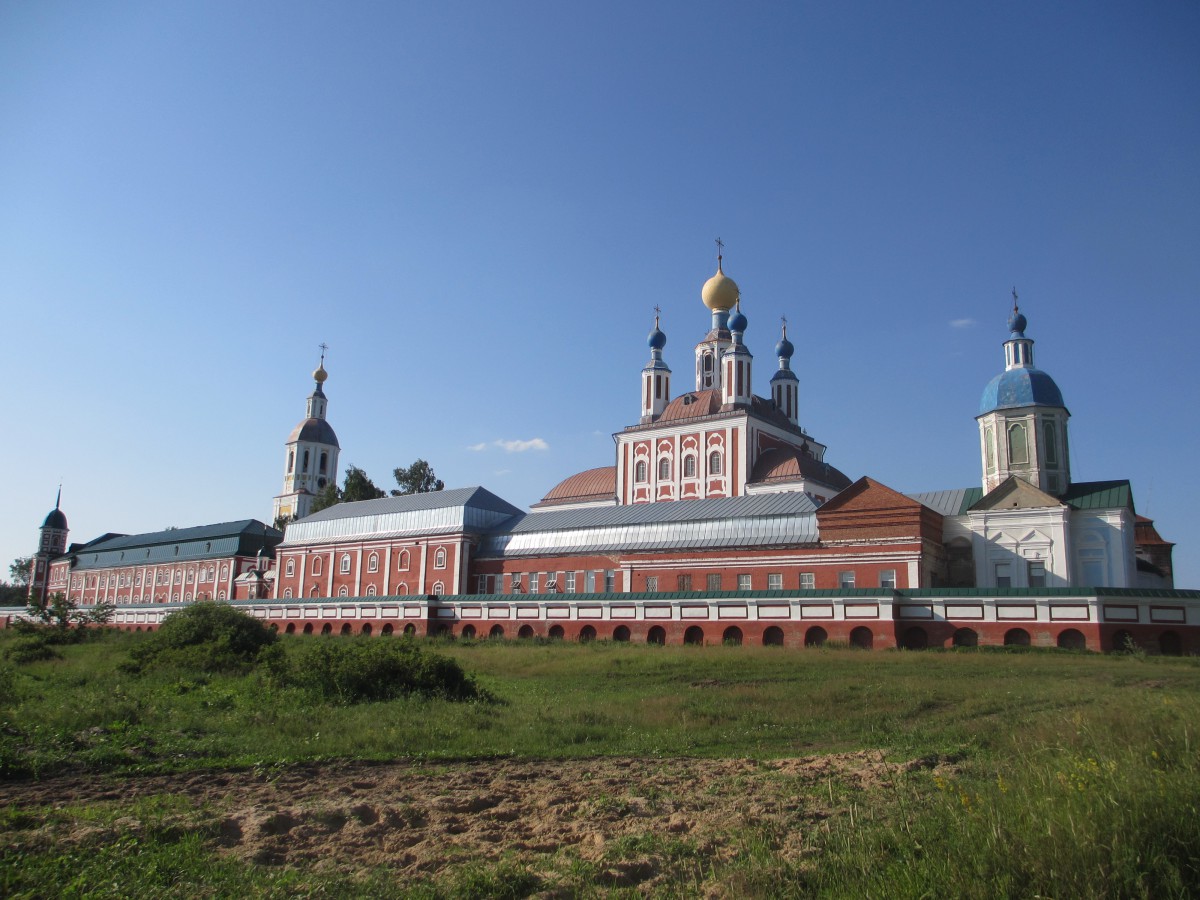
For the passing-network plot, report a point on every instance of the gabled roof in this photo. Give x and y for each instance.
(244, 537)
(1016, 493)
(879, 494)
(470, 509)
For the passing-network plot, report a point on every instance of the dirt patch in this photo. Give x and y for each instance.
(628, 817)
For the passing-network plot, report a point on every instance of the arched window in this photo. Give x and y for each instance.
(370, 590)
(664, 469)
(1018, 445)
(403, 589)
(291, 461)
(639, 471)
(342, 592)
(1049, 438)
(316, 566)
(323, 463)
(224, 573)
(439, 558)
(304, 465)
(373, 562)
(402, 562)
(439, 588)
(689, 466)
(345, 563)
(714, 463)
(315, 592)
(287, 594)
(989, 444)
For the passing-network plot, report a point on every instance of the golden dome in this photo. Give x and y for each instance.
(720, 291)
(320, 375)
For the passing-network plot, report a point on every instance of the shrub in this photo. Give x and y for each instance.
(206, 636)
(363, 670)
(30, 647)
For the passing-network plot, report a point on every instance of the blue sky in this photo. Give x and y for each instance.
(478, 206)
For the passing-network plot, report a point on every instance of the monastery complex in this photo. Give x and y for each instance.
(719, 520)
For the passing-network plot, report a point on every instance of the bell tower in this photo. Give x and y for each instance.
(52, 543)
(311, 454)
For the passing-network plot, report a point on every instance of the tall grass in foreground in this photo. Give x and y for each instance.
(1099, 804)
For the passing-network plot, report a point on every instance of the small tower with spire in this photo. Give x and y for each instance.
(656, 376)
(1023, 420)
(720, 295)
(52, 543)
(735, 365)
(311, 454)
(785, 386)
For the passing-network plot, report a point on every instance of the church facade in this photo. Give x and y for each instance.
(720, 519)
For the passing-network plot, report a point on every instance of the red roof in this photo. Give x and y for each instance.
(583, 487)
(787, 464)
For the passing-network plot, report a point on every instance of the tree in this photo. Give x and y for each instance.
(417, 479)
(21, 571)
(356, 486)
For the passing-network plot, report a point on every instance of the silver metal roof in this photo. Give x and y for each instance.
(754, 521)
(474, 509)
(948, 503)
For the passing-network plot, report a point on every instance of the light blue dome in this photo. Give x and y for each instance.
(737, 322)
(1017, 323)
(657, 340)
(1020, 387)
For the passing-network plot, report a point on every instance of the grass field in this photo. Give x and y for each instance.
(1012, 773)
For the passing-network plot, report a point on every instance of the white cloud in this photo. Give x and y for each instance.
(478, 447)
(522, 446)
(962, 323)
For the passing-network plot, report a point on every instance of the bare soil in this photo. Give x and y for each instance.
(622, 815)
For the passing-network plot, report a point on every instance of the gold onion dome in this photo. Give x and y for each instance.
(320, 375)
(720, 291)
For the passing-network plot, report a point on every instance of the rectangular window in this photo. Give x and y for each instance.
(570, 582)
(775, 581)
(651, 583)
(743, 582)
(516, 583)
(1003, 575)
(714, 581)
(808, 581)
(481, 584)
(684, 582)
(1037, 574)
(887, 579)
(533, 582)
(610, 581)
(589, 582)
(845, 580)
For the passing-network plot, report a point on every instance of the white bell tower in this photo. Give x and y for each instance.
(311, 454)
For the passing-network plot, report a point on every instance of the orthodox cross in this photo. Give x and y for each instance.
(783, 321)
(720, 247)
(1014, 298)
(323, 347)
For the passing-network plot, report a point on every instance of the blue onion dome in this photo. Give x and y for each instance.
(1017, 323)
(657, 340)
(737, 322)
(55, 519)
(784, 348)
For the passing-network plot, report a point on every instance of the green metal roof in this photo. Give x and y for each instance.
(1099, 495)
(242, 538)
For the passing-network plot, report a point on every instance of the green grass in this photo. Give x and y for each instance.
(1060, 774)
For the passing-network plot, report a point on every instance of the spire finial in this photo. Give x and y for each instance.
(720, 247)
(58, 499)
(1014, 298)
(657, 313)
(783, 321)
(323, 347)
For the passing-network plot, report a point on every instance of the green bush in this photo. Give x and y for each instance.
(365, 669)
(31, 646)
(207, 637)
